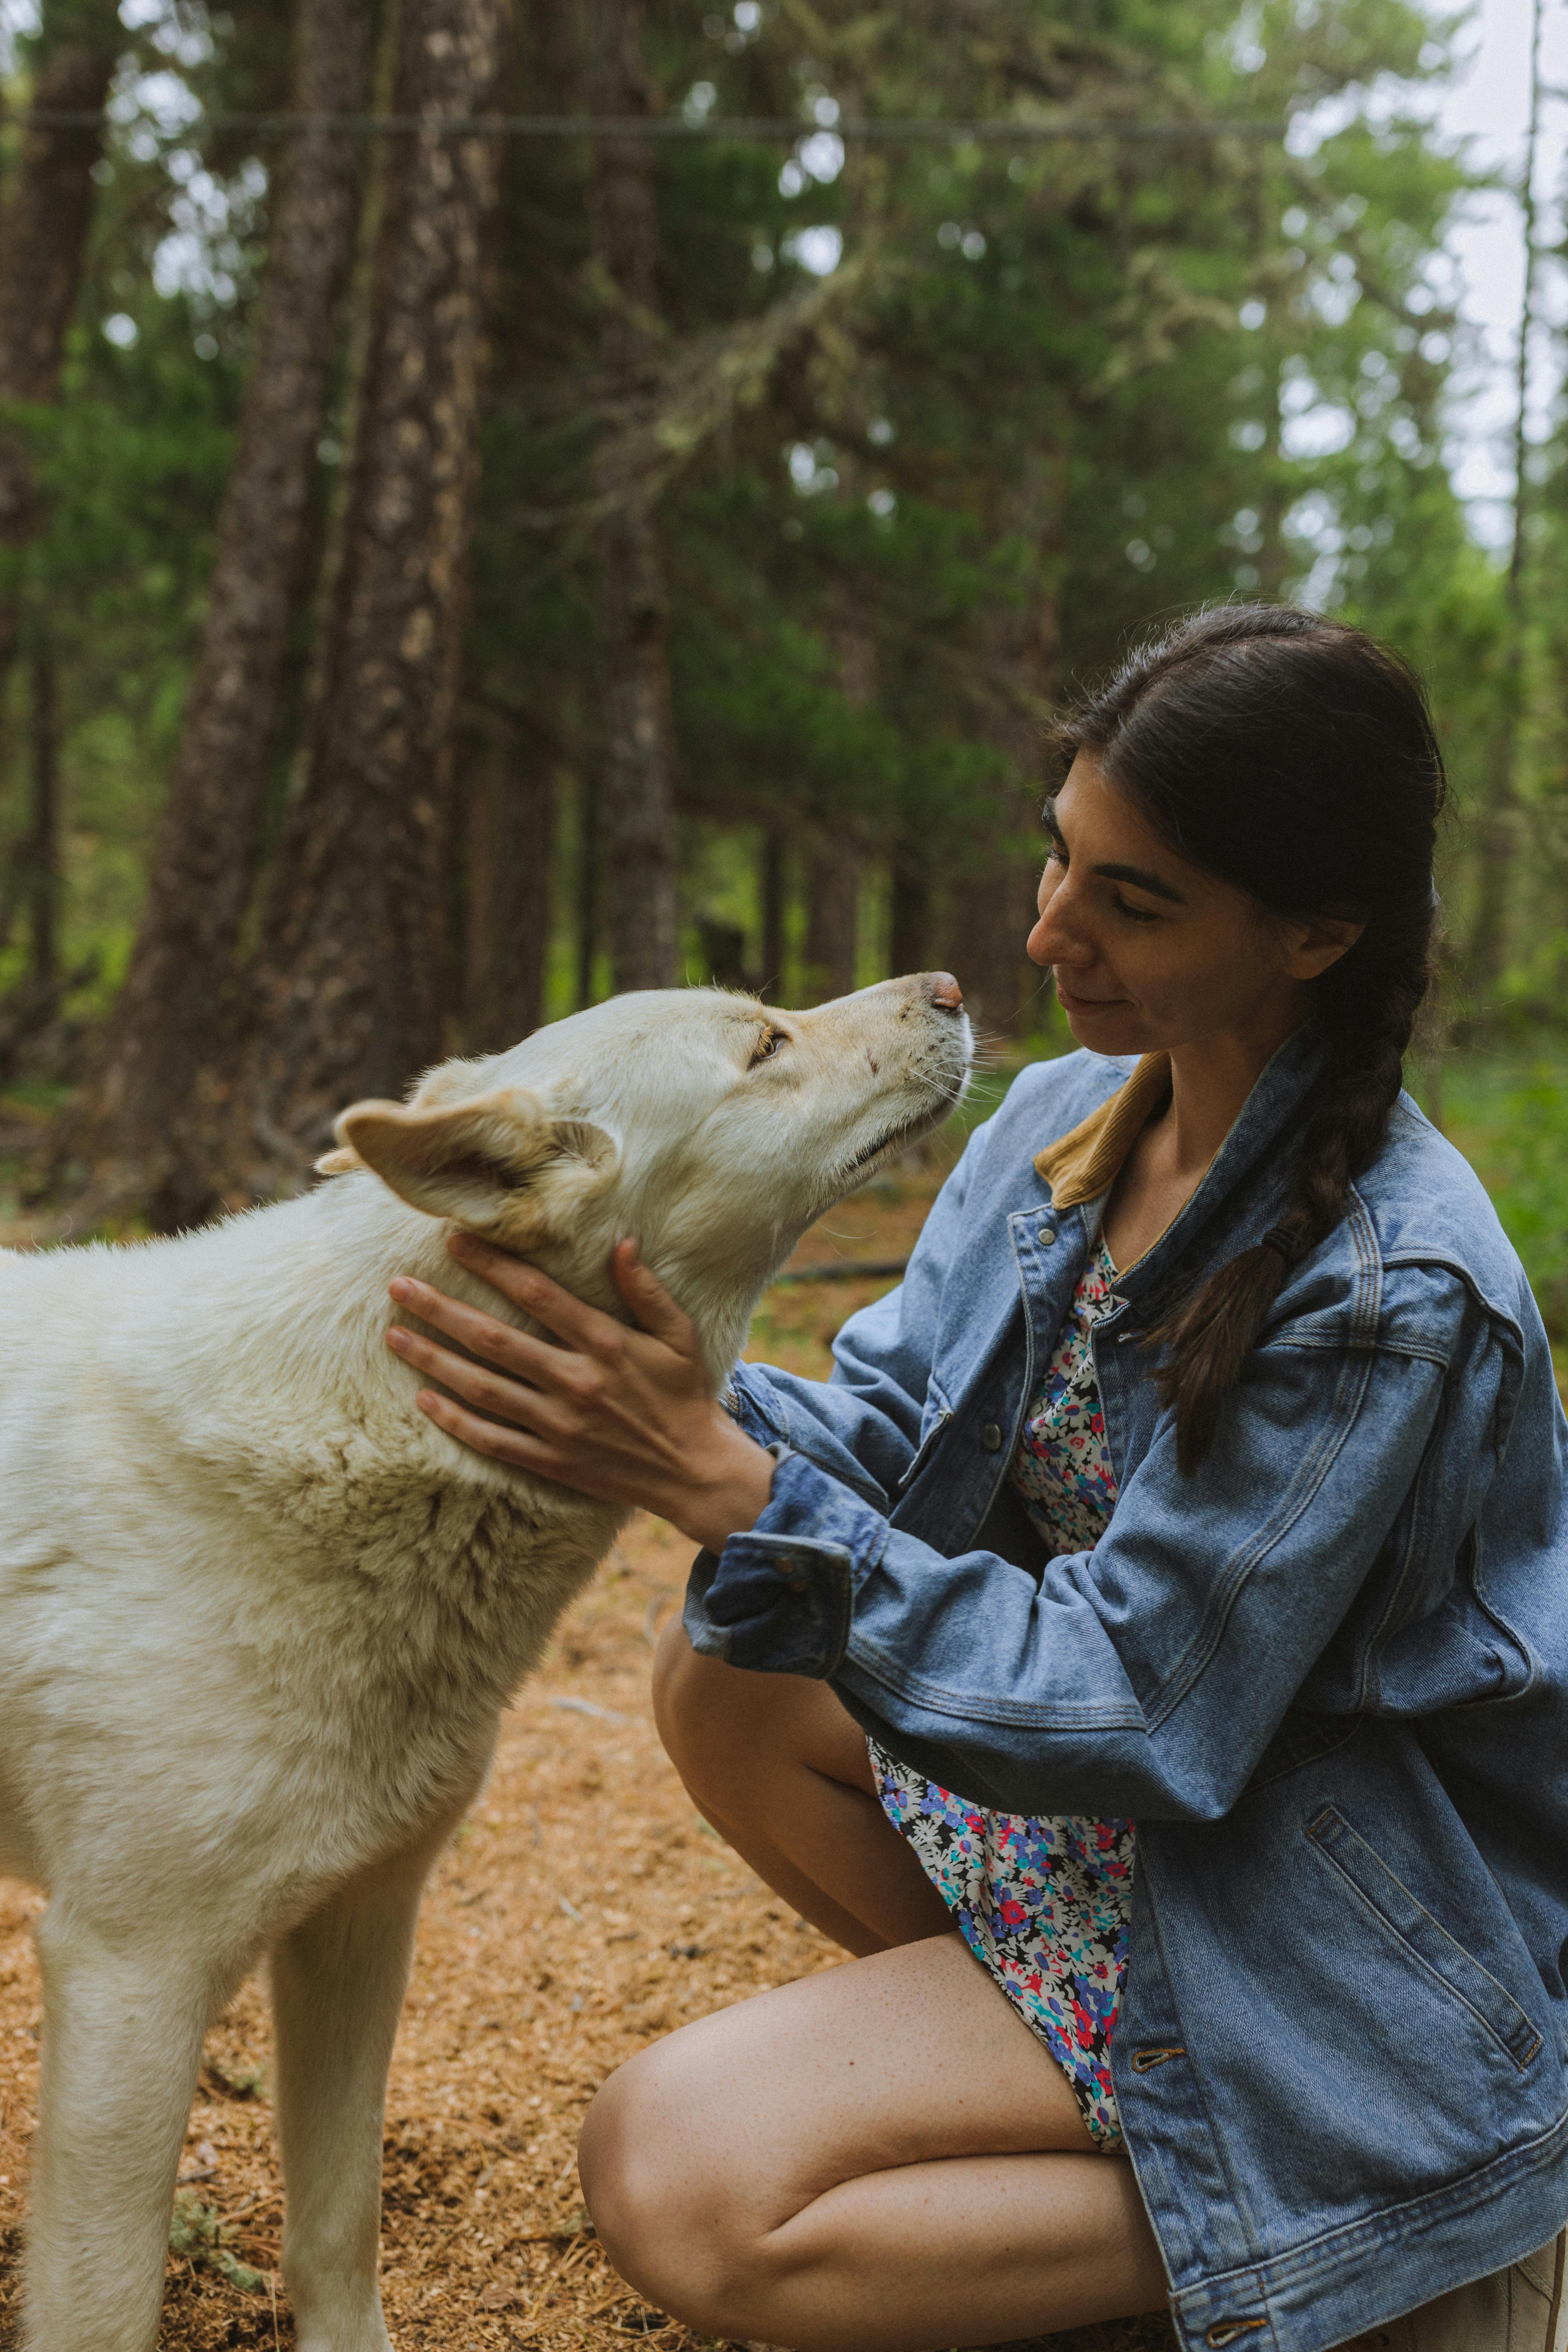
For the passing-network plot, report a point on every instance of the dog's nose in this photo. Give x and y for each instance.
(945, 990)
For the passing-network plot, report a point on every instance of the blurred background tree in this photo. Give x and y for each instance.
(448, 573)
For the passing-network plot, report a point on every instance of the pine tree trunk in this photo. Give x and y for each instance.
(511, 844)
(350, 974)
(1496, 847)
(149, 1114)
(638, 799)
(990, 905)
(43, 237)
(774, 891)
(587, 893)
(909, 947)
(833, 860)
(832, 919)
(43, 838)
(989, 917)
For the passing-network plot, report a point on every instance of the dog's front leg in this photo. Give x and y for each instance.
(123, 2044)
(338, 1981)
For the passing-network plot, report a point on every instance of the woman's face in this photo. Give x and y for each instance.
(1149, 952)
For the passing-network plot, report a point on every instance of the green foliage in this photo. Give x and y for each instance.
(197, 2234)
(1076, 385)
(1507, 1113)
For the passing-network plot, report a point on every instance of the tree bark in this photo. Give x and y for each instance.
(833, 859)
(909, 947)
(991, 900)
(989, 916)
(774, 890)
(43, 848)
(1497, 840)
(638, 800)
(587, 894)
(43, 237)
(149, 1112)
(832, 919)
(350, 976)
(511, 837)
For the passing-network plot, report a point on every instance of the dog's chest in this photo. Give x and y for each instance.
(380, 1695)
(459, 1579)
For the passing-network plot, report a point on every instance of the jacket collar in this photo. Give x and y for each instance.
(1082, 1164)
(1086, 1161)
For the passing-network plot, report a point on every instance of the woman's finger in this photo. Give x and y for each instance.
(655, 1310)
(515, 1447)
(518, 1352)
(570, 1319)
(493, 1392)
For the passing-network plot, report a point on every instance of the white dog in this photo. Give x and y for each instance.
(258, 1616)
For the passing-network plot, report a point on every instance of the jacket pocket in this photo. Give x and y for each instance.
(930, 1437)
(1427, 1943)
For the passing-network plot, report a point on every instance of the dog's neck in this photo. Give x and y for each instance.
(292, 1302)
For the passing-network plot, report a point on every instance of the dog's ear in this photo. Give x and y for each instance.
(340, 1163)
(501, 1162)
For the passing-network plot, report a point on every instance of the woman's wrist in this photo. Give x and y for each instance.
(729, 1490)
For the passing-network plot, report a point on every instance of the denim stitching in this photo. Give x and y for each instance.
(1332, 1813)
(1298, 1496)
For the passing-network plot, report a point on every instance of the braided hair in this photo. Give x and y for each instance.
(1294, 758)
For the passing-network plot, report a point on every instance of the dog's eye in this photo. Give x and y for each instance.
(768, 1047)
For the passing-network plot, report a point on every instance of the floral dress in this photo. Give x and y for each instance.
(1045, 1904)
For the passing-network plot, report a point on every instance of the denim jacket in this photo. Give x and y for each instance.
(1327, 1675)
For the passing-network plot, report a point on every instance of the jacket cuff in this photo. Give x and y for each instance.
(778, 1600)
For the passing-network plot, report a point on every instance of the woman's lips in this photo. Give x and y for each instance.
(1071, 1001)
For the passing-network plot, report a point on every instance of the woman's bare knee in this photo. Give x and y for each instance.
(660, 2204)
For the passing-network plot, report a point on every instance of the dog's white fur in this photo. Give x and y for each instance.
(258, 1617)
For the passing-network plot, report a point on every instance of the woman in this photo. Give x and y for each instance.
(1169, 1589)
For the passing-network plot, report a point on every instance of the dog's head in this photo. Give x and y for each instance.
(709, 1125)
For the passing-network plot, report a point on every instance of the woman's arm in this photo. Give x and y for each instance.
(1149, 1676)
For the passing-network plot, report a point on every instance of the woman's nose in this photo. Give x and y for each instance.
(1055, 939)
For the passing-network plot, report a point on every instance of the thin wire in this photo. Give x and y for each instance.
(909, 131)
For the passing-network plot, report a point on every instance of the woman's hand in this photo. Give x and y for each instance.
(624, 1414)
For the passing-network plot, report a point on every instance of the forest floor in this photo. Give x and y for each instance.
(582, 1909)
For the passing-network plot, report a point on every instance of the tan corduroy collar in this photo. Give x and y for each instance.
(1085, 1163)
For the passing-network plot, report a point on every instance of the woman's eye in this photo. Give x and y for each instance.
(1134, 914)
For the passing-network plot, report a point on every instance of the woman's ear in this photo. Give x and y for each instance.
(1314, 942)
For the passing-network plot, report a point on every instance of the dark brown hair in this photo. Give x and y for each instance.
(1294, 759)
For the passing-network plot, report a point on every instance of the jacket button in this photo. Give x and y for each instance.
(991, 1437)
(1045, 1236)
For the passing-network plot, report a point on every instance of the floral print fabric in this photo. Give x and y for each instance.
(1061, 1469)
(1046, 1903)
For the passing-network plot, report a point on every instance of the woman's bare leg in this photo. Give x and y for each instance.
(881, 2158)
(780, 1769)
